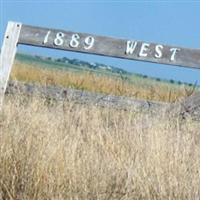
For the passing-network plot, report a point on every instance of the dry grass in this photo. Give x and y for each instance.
(62, 150)
(138, 88)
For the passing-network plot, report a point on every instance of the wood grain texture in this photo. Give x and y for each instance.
(7, 56)
(59, 93)
(108, 46)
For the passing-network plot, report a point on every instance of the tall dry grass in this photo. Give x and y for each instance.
(63, 150)
(137, 88)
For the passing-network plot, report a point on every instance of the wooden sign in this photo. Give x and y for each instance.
(107, 46)
(132, 49)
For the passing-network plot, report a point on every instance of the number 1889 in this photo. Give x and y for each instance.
(74, 41)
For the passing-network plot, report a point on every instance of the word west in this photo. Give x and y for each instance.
(74, 40)
(145, 48)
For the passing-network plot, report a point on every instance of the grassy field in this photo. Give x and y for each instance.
(65, 150)
(48, 72)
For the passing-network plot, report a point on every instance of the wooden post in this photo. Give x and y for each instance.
(7, 56)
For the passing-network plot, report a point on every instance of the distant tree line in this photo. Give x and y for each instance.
(105, 67)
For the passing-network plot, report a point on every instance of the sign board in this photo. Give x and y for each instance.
(108, 46)
(132, 49)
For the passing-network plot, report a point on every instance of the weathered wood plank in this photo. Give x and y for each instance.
(183, 109)
(107, 46)
(85, 97)
(191, 106)
(7, 56)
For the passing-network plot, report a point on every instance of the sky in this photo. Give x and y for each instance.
(166, 22)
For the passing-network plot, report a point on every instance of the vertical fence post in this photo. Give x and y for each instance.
(7, 56)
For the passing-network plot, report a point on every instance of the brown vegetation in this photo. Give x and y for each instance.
(63, 150)
(137, 87)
